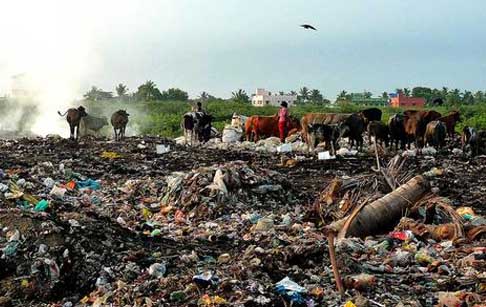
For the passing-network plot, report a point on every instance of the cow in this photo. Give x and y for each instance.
(435, 134)
(329, 134)
(415, 123)
(197, 126)
(380, 131)
(92, 123)
(450, 121)
(353, 128)
(258, 126)
(119, 121)
(73, 118)
(473, 140)
(372, 114)
(397, 131)
(320, 118)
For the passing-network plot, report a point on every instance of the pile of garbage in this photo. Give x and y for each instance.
(99, 223)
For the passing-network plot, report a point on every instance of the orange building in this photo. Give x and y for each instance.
(401, 100)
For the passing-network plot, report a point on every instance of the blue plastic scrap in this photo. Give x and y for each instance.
(290, 290)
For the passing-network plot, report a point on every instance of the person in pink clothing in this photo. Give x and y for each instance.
(283, 120)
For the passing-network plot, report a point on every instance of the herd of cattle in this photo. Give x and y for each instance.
(413, 126)
(75, 117)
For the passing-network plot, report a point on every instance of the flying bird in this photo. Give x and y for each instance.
(308, 27)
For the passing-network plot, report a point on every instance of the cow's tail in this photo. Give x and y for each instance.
(60, 114)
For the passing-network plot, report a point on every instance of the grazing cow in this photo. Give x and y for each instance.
(73, 118)
(435, 134)
(353, 128)
(329, 134)
(415, 123)
(397, 131)
(372, 114)
(197, 126)
(473, 140)
(119, 121)
(320, 118)
(450, 121)
(92, 123)
(380, 131)
(267, 126)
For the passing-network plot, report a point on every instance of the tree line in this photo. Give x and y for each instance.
(150, 92)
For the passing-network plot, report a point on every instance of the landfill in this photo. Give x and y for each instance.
(153, 222)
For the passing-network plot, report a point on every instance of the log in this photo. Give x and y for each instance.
(384, 213)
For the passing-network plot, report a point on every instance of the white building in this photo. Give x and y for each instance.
(265, 98)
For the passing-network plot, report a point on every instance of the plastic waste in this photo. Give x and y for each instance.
(42, 205)
(162, 149)
(205, 279)
(157, 270)
(284, 148)
(110, 155)
(264, 224)
(325, 155)
(88, 184)
(49, 182)
(361, 281)
(290, 290)
(57, 192)
(231, 134)
(3, 188)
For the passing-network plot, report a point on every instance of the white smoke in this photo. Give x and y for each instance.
(54, 43)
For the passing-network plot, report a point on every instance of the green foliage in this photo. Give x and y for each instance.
(121, 90)
(240, 96)
(148, 92)
(174, 94)
(96, 94)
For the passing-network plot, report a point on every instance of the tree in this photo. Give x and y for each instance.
(240, 96)
(315, 96)
(175, 94)
(406, 91)
(96, 94)
(479, 97)
(293, 93)
(367, 94)
(204, 96)
(384, 95)
(303, 94)
(281, 93)
(343, 95)
(467, 97)
(444, 92)
(121, 90)
(148, 92)
(454, 97)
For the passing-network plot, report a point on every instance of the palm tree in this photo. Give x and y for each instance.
(204, 96)
(343, 95)
(315, 96)
(304, 94)
(384, 95)
(293, 93)
(367, 94)
(444, 92)
(478, 97)
(406, 91)
(121, 90)
(281, 93)
(240, 96)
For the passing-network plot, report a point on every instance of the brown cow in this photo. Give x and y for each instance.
(74, 118)
(257, 126)
(119, 121)
(450, 121)
(435, 134)
(320, 118)
(415, 123)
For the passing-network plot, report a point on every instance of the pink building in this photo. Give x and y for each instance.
(401, 100)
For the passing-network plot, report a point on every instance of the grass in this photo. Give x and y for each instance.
(164, 117)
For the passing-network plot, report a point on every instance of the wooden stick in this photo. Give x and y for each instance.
(332, 254)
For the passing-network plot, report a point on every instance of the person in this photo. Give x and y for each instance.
(199, 107)
(283, 120)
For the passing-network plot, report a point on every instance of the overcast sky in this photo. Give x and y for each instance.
(222, 45)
